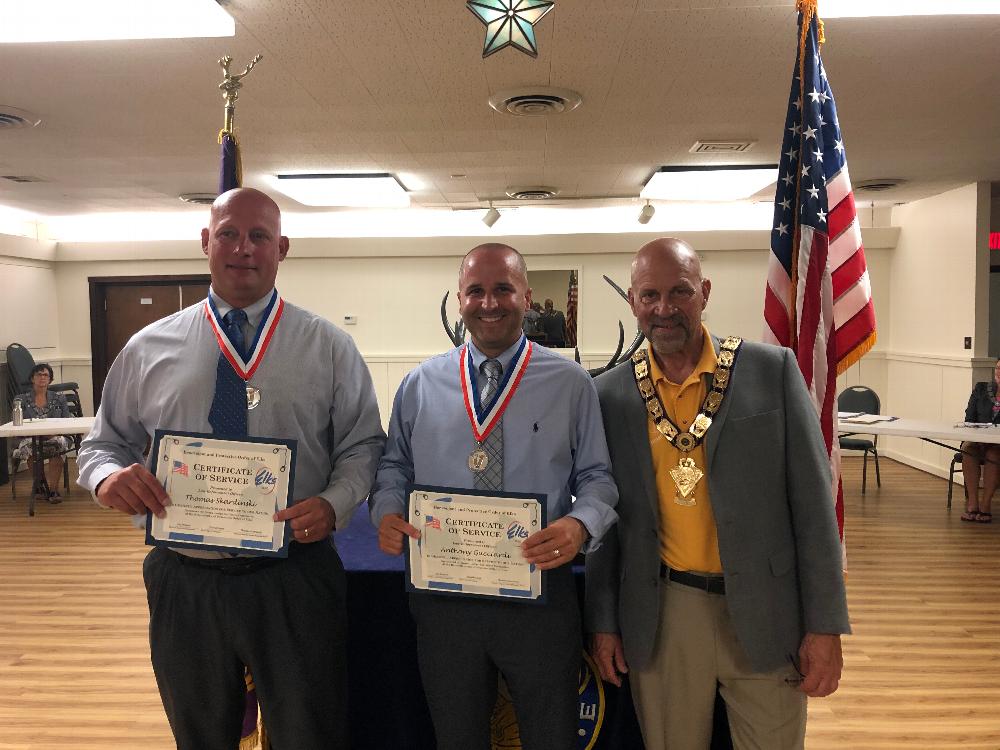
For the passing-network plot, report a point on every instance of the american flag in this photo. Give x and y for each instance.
(818, 297)
(433, 522)
(180, 468)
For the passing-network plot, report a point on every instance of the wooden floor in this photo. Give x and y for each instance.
(922, 668)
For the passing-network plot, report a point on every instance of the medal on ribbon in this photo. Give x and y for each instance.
(686, 475)
(484, 417)
(245, 368)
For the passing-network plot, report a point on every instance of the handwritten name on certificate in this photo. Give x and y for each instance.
(223, 493)
(471, 543)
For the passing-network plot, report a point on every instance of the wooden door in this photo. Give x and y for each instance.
(122, 306)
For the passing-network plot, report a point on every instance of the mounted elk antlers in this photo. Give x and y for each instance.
(456, 333)
(617, 358)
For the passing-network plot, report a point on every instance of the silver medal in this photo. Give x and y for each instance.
(478, 460)
(253, 397)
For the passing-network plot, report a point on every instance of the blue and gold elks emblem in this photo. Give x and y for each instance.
(503, 725)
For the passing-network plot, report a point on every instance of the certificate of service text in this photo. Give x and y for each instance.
(223, 493)
(470, 542)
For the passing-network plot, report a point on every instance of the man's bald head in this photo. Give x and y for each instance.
(670, 251)
(511, 256)
(261, 201)
(244, 245)
(667, 295)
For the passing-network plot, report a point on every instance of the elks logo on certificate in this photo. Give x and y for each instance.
(223, 493)
(470, 543)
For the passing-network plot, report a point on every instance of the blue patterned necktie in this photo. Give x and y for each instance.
(491, 478)
(228, 415)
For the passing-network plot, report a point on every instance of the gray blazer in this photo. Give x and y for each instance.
(770, 488)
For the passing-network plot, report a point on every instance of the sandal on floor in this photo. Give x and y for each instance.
(984, 517)
(972, 516)
(55, 497)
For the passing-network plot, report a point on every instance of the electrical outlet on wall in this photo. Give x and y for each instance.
(968, 342)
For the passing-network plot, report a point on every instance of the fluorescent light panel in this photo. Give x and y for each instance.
(91, 20)
(869, 8)
(381, 190)
(540, 220)
(709, 183)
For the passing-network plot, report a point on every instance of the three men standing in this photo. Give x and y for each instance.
(725, 566)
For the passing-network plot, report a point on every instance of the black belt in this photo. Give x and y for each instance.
(711, 584)
(230, 566)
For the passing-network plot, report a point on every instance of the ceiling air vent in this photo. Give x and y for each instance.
(878, 184)
(721, 147)
(202, 199)
(12, 118)
(21, 178)
(538, 100)
(532, 193)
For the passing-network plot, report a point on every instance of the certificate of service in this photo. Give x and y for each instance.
(223, 493)
(470, 542)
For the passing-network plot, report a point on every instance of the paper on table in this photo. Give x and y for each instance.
(869, 419)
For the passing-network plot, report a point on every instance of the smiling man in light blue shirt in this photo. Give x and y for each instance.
(552, 444)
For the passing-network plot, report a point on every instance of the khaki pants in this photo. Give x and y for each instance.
(696, 649)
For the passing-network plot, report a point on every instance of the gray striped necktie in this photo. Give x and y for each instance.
(492, 477)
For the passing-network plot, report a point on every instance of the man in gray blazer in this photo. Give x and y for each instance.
(725, 568)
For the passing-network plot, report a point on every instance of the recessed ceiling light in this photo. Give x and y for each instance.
(89, 20)
(870, 8)
(359, 190)
(709, 183)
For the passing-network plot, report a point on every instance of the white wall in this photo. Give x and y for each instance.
(29, 309)
(394, 287)
(939, 291)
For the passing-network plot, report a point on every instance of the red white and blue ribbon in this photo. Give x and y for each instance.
(484, 417)
(245, 368)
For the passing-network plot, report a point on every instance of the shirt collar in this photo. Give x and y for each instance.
(504, 358)
(706, 365)
(254, 311)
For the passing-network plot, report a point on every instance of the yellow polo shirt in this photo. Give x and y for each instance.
(689, 539)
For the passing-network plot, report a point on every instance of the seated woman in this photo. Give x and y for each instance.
(40, 402)
(984, 406)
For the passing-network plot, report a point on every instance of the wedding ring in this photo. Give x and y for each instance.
(557, 553)
(306, 532)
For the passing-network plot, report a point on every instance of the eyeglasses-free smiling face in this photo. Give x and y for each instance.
(668, 296)
(244, 246)
(493, 294)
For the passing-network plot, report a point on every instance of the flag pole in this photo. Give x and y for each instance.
(231, 170)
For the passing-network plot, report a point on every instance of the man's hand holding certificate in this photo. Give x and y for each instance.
(223, 493)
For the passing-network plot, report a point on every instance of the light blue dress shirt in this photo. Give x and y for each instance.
(553, 439)
(314, 388)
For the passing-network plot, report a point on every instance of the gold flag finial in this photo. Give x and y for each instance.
(230, 86)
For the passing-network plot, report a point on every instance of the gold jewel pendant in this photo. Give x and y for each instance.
(686, 477)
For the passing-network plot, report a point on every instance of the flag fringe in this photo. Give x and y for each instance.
(856, 354)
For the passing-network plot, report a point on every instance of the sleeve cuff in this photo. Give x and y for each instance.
(99, 475)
